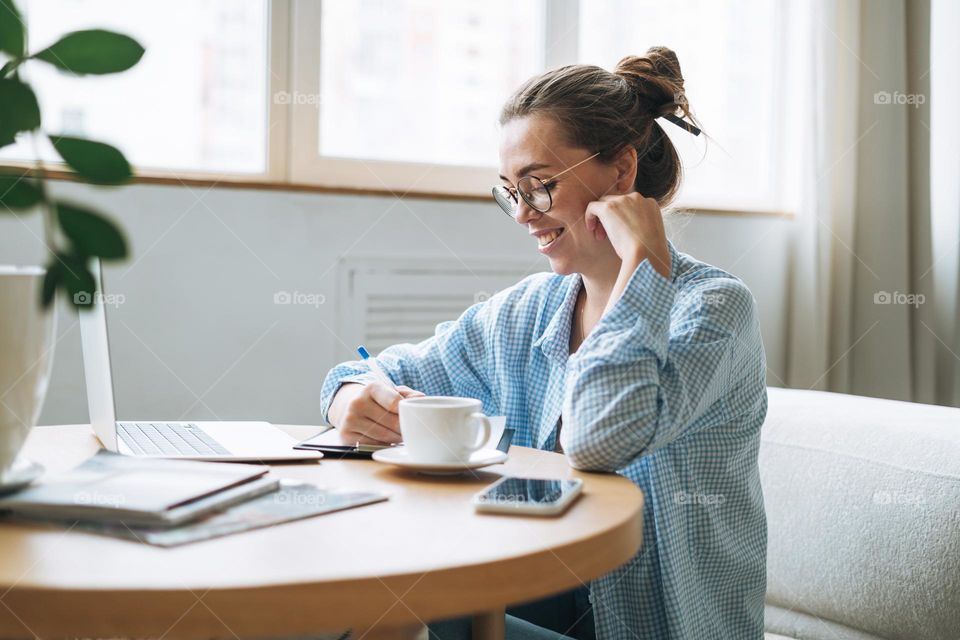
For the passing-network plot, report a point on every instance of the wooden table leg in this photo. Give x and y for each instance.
(489, 625)
(388, 633)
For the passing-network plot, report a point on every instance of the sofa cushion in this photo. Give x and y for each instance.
(863, 509)
(803, 626)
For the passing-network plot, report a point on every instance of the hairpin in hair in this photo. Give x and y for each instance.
(683, 124)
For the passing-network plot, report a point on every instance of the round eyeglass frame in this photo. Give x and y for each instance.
(534, 191)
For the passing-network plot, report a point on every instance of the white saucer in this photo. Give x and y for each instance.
(22, 473)
(400, 456)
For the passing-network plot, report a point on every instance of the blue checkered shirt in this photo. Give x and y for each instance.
(667, 390)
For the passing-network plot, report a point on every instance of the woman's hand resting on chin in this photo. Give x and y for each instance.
(634, 225)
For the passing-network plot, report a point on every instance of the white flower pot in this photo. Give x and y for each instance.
(26, 356)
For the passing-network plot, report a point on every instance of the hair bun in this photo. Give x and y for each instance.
(666, 63)
(657, 81)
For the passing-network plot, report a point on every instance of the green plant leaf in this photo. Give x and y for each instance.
(71, 272)
(97, 162)
(19, 110)
(76, 278)
(94, 51)
(11, 29)
(50, 281)
(90, 233)
(18, 192)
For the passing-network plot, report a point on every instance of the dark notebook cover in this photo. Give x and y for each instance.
(341, 451)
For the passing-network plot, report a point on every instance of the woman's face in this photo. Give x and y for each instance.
(534, 146)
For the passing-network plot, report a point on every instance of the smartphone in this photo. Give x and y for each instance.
(528, 496)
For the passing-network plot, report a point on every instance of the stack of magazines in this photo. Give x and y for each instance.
(170, 502)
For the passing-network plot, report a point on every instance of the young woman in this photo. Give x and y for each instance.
(630, 357)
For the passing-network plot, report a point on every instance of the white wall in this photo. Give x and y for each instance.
(198, 335)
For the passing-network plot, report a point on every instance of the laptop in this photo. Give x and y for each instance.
(224, 441)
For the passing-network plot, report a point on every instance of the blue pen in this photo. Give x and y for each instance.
(375, 367)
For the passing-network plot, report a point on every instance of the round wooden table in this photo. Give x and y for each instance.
(383, 570)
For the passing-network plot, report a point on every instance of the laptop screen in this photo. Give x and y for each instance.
(96, 366)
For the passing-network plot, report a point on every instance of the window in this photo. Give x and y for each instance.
(195, 102)
(409, 90)
(404, 95)
(730, 55)
(422, 81)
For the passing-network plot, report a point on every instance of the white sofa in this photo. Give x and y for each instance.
(863, 509)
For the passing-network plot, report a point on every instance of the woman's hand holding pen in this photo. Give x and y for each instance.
(369, 414)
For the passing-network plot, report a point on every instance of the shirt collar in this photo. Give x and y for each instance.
(555, 340)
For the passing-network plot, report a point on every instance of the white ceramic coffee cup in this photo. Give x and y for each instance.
(443, 428)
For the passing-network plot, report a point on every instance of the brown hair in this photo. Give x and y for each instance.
(604, 111)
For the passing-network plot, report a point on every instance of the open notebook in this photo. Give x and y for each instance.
(330, 443)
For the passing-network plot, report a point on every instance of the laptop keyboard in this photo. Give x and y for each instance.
(168, 438)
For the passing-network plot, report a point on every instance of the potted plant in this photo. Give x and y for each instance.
(73, 233)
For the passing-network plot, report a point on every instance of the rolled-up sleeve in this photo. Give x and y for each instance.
(654, 364)
(454, 361)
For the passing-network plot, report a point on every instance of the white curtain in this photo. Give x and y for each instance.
(945, 193)
(867, 311)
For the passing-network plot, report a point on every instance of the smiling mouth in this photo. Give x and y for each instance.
(548, 238)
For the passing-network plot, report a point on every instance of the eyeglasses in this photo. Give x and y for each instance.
(534, 191)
